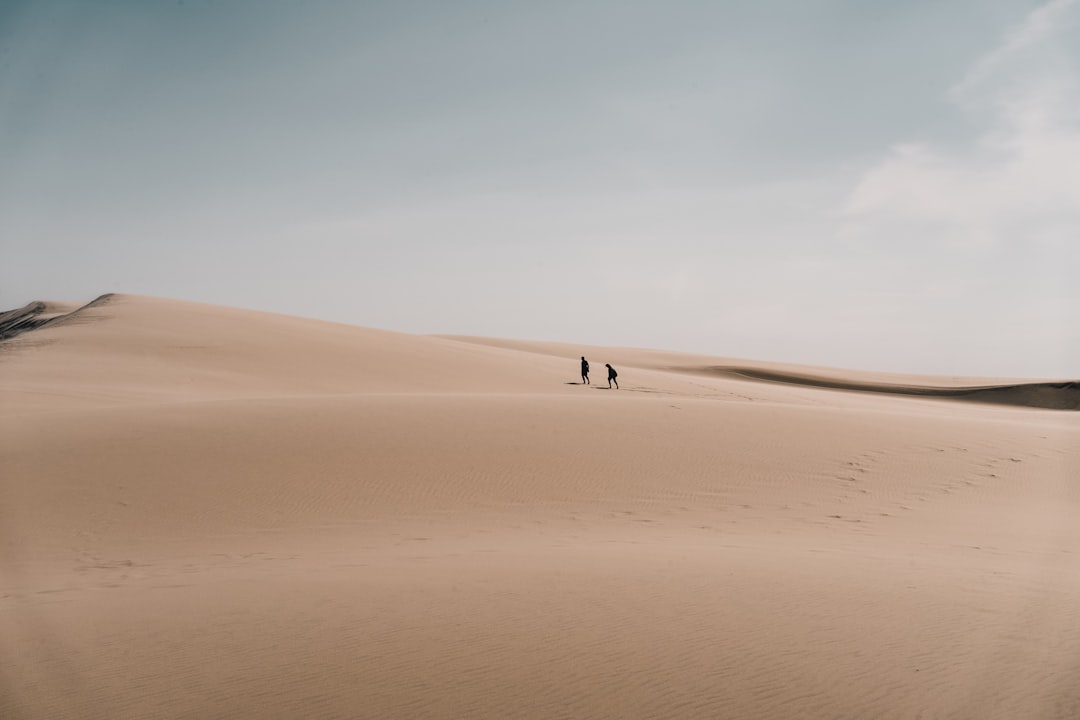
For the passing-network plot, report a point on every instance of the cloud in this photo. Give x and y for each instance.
(1034, 37)
(1018, 181)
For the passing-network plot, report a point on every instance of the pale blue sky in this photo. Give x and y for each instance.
(879, 185)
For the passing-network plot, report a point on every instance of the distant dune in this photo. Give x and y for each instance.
(1058, 395)
(218, 513)
(1055, 395)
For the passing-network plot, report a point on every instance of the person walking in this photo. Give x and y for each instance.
(584, 371)
(611, 375)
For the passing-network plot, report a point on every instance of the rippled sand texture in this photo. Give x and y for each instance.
(216, 513)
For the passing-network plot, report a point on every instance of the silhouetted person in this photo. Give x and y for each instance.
(584, 371)
(611, 375)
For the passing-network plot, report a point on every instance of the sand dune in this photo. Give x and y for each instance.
(1054, 395)
(217, 513)
(1063, 395)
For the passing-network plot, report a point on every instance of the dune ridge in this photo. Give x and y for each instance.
(219, 513)
(1063, 395)
(38, 314)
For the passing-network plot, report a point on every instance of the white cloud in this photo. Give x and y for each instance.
(1018, 181)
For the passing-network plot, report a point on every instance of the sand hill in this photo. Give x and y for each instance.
(217, 513)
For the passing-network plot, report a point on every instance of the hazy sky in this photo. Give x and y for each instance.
(872, 184)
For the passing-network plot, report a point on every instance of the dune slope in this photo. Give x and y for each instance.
(216, 513)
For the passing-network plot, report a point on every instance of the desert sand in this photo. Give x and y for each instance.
(218, 513)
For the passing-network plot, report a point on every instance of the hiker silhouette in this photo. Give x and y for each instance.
(611, 375)
(584, 371)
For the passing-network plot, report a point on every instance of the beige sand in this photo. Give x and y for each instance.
(215, 513)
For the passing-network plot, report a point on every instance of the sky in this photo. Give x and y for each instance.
(879, 185)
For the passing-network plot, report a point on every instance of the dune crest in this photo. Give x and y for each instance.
(1063, 395)
(38, 314)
